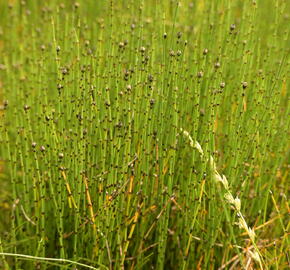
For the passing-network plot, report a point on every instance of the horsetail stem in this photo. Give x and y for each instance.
(94, 168)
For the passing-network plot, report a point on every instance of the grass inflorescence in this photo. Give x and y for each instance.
(144, 134)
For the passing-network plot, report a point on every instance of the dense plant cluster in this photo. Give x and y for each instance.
(144, 134)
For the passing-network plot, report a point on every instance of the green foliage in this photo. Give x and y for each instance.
(94, 167)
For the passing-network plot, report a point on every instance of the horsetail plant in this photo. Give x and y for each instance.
(137, 134)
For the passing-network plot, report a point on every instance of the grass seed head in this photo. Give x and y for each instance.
(229, 198)
(237, 204)
(255, 255)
